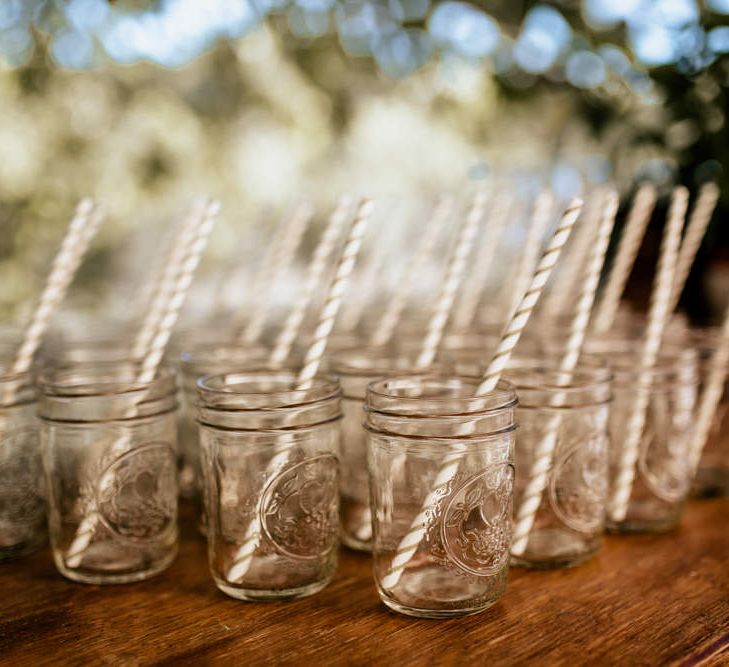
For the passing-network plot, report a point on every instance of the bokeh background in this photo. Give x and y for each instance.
(143, 104)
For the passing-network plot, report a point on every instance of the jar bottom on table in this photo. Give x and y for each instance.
(356, 524)
(421, 590)
(648, 516)
(105, 563)
(711, 483)
(254, 595)
(554, 548)
(25, 548)
(262, 581)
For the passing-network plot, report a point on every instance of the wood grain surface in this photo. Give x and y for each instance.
(644, 600)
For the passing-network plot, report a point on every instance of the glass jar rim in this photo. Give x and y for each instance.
(217, 391)
(374, 361)
(589, 372)
(16, 388)
(380, 398)
(100, 379)
(621, 354)
(208, 353)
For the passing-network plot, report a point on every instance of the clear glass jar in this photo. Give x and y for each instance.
(561, 463)
(22, 502)
(109, 453)
(712, 474)
(208, 358)
(663, 470)
(441, 475)
(271, 482)
(357, 368)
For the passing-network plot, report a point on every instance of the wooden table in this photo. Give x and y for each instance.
(645, 600)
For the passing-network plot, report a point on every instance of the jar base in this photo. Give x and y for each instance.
(22, 549)
(433, 592)
(253, 595)
(433, 613)
(711, 483)
(642, 526)
(99, 578)
(354, 544)
(553, 549)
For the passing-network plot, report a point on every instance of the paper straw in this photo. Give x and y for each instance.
(396, 305)
(453, 278)
(545, 449)
(695, 231)
(291, 327)
(371, 268)
(333, 301)
(87, 527)
(524, 268)
(82, 228)
(658, 315)
(166, 280)
(559, 297)
(630, 240)
(245, 553)
(473, 288)
(179, 291)
(285, 246)
(515, 327)
(711, 395)
(510, 337)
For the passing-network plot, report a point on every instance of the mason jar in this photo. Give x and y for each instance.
(663, 471)
(712, 473)
(271, 482)
(22, 503)
(356, 368)
(109, 453)
(441, 476)
(196, 361)
(561, 486)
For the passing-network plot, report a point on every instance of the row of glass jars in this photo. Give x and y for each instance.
(272, 462)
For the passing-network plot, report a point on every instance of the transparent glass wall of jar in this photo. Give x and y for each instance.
(22, 502)
(356, 368)
(663, 472)
(197, 360)
(271, 482)
(109, 453)
(561, 462)
(712, 474)
(441, 475)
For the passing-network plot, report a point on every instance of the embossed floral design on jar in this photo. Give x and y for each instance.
(561, 461)
(270, 459)
(415, 424)
(22, 503)
(109, 449)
